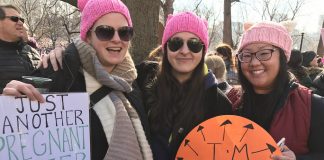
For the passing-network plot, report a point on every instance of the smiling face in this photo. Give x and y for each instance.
(261, 74)
(11, 31)
(183, 61)
(112, 52)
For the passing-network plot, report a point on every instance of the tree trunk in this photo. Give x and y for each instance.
(227, 30)
(145, 17)
(320, 48)
(167, 9)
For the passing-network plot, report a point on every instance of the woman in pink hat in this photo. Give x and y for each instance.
(184, 93)
(99, 63)
(272, 99)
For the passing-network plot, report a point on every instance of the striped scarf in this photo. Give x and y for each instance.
(128, 140)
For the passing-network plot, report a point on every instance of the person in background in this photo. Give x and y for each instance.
(217, 66)
(226, 52)
(320, 61)
(149, 67)
(12, 65)
(271, 99)
(99, 63)
(310, 62)
(29, 40)
(318, 83)
(183, 93)
(299, 71)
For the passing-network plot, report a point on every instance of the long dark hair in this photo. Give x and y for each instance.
(275, 96)
(177, 105)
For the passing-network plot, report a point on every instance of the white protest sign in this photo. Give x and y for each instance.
(56, 129)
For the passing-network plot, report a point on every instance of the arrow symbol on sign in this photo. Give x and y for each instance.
(249, 126)
(270, 147)
(187, 144)
(200, 129)
(224, 124)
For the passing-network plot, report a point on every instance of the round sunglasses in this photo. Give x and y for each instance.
(106, 33)
(16, 18)
(194, 44)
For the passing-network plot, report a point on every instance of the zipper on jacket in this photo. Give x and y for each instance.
(180, 131)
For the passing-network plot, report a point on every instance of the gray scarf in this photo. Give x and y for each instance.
(128, 139)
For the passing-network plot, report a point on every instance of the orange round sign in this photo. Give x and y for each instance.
(227, 137)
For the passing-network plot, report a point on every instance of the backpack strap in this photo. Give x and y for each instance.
(96, 126)
(99, 94)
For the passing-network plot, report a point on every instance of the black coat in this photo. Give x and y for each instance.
(17, 59)
(319, 84)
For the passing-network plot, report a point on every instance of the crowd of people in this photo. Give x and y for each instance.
(134, 115)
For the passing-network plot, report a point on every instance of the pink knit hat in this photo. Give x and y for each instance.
(186, 22)
(92, 10)
(268, 32)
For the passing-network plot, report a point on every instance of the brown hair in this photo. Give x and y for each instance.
(226, 51)
(217, 65)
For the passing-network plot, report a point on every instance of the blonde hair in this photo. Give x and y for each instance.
(156, 54)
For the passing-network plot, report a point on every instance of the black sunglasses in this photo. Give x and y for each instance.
(106, 33)
(16, 18)
(194, 44)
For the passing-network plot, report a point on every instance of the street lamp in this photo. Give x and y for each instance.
(301, 41)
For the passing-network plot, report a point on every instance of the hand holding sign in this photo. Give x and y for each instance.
(55, 129)
(228, 137)
(17, 88)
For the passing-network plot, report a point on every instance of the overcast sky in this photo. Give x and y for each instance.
(307, 19)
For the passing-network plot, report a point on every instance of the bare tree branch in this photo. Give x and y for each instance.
(197, 5)
(276, 10)
(167, 8)
(295, 9)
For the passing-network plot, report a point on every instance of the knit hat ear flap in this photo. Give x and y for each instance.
(169, 17)
(206, 23)
(289, 25)
(81, 4)
(247, 25)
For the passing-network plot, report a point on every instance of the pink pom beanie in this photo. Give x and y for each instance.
(268, 32)
(92, 10)
(186, 22)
